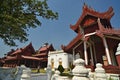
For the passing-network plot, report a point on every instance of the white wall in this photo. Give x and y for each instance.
(57, 55)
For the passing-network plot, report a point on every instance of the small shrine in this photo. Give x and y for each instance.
(96, 40)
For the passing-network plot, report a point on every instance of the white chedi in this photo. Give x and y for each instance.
(79, 71)
(100, 72)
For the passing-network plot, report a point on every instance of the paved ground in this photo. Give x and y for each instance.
(39, 76)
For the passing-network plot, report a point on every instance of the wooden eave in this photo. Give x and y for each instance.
(2, 61)
(21, 50)
(44, 59)
(40, 54)
(89, 11)
(111, 32)
(22, 57)
(18, 51)
(10, 58)
(31, 58)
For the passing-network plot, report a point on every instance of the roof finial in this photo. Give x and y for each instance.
(85, 6)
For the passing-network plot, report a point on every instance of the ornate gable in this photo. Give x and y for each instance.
(88, 20)
(89, 16)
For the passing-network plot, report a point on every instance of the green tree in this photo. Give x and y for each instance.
(17, 16)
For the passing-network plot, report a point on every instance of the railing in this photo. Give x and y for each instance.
(115, 77)
(64, 78)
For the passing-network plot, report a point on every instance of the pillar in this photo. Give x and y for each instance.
(107, 51)
(91, 52)
(85, 53)
(73, 55)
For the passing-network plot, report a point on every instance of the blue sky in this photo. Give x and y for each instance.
(58, 32)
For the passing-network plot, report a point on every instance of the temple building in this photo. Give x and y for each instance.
(21, 56)
(96, 40)
(42, 53)
(27, 56)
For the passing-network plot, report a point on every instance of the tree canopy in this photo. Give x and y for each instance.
(17, 16)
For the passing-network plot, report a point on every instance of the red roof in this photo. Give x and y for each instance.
(18, 51)
(31, 58)
(40, 54)
(23, 57)
(110, 32)
(46, 47)
(89, 11)
(10, 58)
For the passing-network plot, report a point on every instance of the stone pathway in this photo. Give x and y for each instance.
(38, 76)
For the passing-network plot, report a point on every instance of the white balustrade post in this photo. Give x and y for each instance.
(18, 73)
(26, 74)
(91, 74)
(100, 72)
(49, 72)
(56, 76)
(80, 72)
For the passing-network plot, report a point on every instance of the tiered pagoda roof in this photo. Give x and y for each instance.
(88, 11)
(88, 18)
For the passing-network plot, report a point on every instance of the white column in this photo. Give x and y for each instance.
(107, 51)
(91, 52)
(73, 55)
(85, 53)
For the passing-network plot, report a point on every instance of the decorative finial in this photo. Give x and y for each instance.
(85, 6)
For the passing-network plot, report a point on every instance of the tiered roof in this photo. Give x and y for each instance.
(87, 11)
(88, 18)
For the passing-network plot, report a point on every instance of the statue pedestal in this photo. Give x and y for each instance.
(80, 72)
(100, 72)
